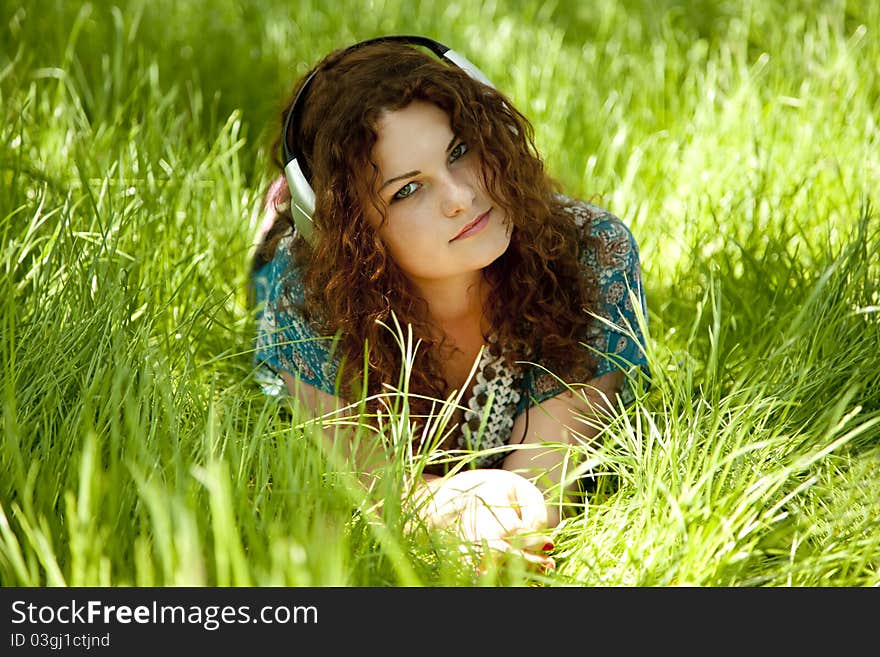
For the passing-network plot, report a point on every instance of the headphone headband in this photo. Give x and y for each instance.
(302, 196)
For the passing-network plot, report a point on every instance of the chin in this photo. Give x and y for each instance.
(493, 256)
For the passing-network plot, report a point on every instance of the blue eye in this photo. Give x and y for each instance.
(406, 191)
(458, 152)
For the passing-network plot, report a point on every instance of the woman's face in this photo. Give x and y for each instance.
(441, 224)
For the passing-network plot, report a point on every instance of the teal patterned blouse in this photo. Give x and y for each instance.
(287, 342)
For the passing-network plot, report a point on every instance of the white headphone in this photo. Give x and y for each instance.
(302, 196)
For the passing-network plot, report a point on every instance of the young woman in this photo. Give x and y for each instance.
(432, 208)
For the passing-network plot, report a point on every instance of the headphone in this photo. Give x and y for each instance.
(302, 196)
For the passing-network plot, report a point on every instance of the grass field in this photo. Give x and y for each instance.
(738, 140)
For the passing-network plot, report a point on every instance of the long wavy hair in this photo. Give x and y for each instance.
(539, 301)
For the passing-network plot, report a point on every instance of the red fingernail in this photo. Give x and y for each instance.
(548, 546)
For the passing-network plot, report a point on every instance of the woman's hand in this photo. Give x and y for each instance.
(493, 509)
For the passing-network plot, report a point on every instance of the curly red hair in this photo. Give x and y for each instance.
(539, 301)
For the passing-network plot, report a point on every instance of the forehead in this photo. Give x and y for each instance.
(404, 135)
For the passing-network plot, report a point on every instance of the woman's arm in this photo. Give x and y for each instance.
(338, 436)
(559, 422)
(493, 508)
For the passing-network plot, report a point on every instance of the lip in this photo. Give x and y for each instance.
(473, 227)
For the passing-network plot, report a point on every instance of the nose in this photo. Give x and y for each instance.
(458, 195)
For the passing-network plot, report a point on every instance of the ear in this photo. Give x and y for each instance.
(278, 195)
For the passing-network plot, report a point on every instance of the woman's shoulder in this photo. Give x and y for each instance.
(583, 212)
(277, 280)
(601, 231)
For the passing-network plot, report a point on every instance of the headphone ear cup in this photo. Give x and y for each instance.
(302, 200)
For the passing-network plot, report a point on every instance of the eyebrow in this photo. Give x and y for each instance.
(410, 174)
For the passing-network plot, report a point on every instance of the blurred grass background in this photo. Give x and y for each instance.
(738, 140)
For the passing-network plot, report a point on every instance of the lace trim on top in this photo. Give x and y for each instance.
(499, 384)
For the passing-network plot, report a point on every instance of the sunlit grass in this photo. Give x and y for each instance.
(738, 140)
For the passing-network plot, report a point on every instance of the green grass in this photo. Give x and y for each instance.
(739, 140)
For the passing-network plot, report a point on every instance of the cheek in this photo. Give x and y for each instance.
(409, 245)
(475, 172)
(406, 226)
